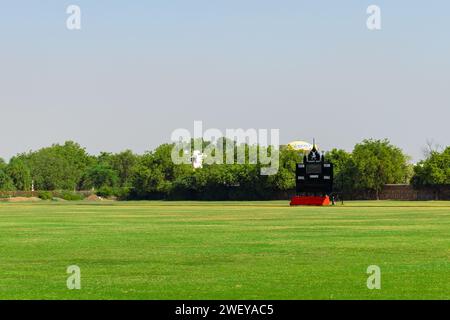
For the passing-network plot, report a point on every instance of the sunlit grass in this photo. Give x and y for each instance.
(224, 250)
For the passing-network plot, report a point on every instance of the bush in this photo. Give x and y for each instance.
(105, 192)
(45, 195)
(71, 196)
(122, 193)
(108, 192)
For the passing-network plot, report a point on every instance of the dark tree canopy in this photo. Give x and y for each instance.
(435, 170)
(153, 175)
(378, 162)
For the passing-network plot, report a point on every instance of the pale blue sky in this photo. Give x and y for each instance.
(140, 69)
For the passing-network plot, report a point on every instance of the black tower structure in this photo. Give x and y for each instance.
(314, 177)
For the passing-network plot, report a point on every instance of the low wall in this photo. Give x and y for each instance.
(390, 192)
(402, 192)
(28, 194)
(405, 192)
(408, 192)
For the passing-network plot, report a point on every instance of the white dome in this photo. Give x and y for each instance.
(300, 145)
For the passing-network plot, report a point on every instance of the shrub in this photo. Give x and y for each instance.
(71, 196)
(118, 193)
(45, 195)
(105, 192)
(122, 193)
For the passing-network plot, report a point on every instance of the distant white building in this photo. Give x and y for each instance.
(197, 159)
(300, 145)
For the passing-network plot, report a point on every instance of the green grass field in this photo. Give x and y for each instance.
(227, 250)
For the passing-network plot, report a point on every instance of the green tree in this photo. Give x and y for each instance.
(100, 176)
(19, 173)
(58, 166)
(435, 170)
(377, 163)
(123, 163)
(6, 183)
(284, 179)
(344, 170)
(152, 175)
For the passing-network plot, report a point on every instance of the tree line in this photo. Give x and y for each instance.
(153, 175)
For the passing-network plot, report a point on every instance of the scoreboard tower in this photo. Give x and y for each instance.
(314, 180)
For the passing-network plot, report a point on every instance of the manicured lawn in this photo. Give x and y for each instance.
(230, 250)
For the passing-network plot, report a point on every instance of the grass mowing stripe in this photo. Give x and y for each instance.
(215, 250)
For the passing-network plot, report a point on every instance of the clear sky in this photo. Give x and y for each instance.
(140, 69)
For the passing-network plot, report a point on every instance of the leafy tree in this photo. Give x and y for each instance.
(148, 182)
(377, 163)
(435, 170)
(19, 173)
(161, 158)
(123, 164)
(100, 176)
(284, 179)
(344, 170)
(149, 177)
(154, 175)
(58, 166)
(6, 183)
(3, 164)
